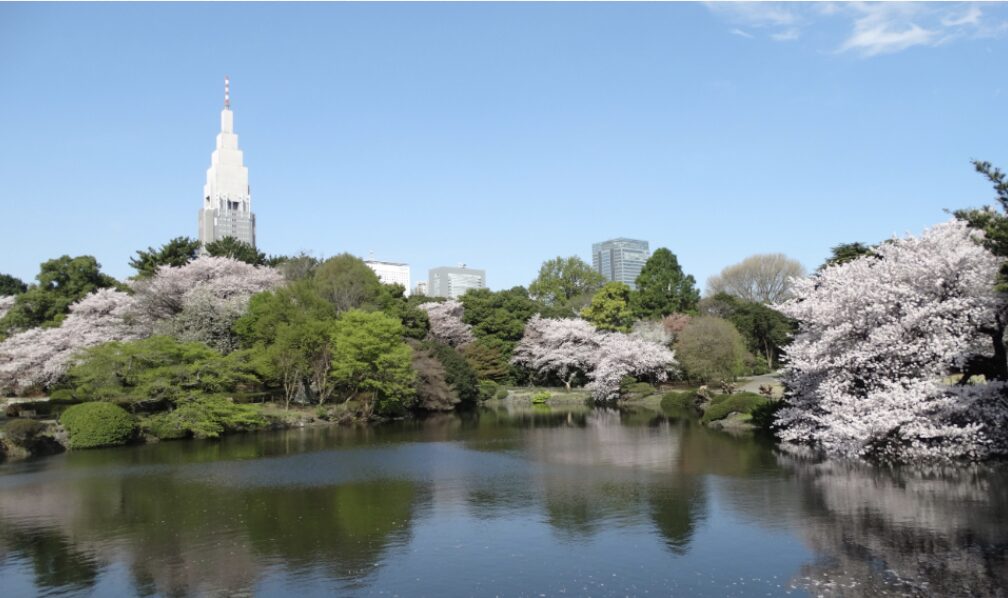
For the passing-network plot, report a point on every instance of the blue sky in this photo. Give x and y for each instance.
(498, 135)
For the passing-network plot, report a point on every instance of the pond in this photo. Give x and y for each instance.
(539, 502)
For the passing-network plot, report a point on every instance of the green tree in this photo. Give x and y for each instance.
(10, 285)
(565, 283)
(61, 282)
(610, 308)
(177, 252)
(294, 267)
(371, 362)
(845, 252)
(710, 349)
(458, 373)
(156, 371)
(994, 224)
(297, 302)
(236, 250)
(499, 315)
(393, 302)
(766, 331)
(348, 283)
(663, 289)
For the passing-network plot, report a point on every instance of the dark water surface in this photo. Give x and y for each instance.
(552, 502)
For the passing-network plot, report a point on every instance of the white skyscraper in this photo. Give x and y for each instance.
(227, 200)
(391, 273)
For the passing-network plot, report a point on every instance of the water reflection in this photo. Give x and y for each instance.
(512, 502)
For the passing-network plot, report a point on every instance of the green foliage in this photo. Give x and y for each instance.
(565, 284)
(205, 417)
(347, 283)
(236, 250)
(710, 349)
(177, 252)
(61, 282)
(663, 288)
(610, 308)
(393, 302)
(498, 318)
(156, 370)
(10, 285)
(636, 390)
(540, 397)
(488, 389)
(766, 331)
(91, 425)
(845, 252)
(678, 401)
(486, 358)
(994, 224)
(294, 267)
(297, 302)
(722, 405)
(23, 432)
(370, 361)
(458, 374)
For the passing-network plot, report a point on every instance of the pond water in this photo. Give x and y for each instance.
(511, 503)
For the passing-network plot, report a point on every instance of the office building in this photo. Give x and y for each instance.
(454, 282)
(620, 260)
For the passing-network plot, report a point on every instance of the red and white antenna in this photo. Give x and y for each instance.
(227, 92)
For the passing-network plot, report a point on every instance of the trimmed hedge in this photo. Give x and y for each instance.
(743, 402)
(205, 417)
(91, 425)
(540, 397)
(679, 401)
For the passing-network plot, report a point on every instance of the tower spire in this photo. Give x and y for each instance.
(227, 92)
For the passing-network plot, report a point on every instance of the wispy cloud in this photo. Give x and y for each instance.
(741, 33)
(868, 29)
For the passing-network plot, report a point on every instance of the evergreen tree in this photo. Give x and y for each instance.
(663, 288)
(177, 252)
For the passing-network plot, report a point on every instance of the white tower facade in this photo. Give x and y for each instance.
(227, 199)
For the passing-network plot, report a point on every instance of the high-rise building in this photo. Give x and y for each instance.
(391, 273)
(620, 260)
(454, 282)
(421, 288)
(227, 199)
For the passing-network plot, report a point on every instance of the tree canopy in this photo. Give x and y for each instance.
(764, 278)
(565, 283)
(348, 283)
(177, 252)
(236, 250)
(610, 308)
(663, 288)
(10, 285)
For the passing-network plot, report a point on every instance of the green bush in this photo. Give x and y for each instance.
(722, 405)
(678, 401)
(488, 389)
(23, 432)
(501, 394)
(637, 390)
(92, 425)
(205, 417)
(540, 397)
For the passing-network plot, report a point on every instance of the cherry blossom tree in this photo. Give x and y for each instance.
(570, 348)
(38, 357)
(201, 300)
(880, 338)
(563, 348)
(446, 325)
(620, 355)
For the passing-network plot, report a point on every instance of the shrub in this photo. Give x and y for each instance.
(678, 401)
(502, 393)
(458, 373)
(709, 349)
(722, 405)
(488, 389)
(637, 390)
(540, 397)
(206, 417)
(23, 432)
(97, 424)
